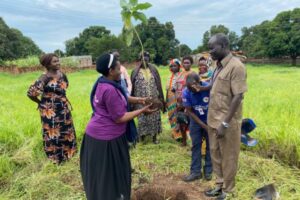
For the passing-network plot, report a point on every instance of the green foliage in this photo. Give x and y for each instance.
(98, 46)
(33, 61)
(183, 50)
(283, 38)
(277, 38)
(131, 10)
(30, 61)
(233, 37)
(77, 46)
(13, 44)
(69, 62)
(252, 42)
(158, 39)
(59, 53)
(199, 49)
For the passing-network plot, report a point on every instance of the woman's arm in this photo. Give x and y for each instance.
(37, 88)
(35, 99)
(136, 100)
(130, 115)
(200, 88)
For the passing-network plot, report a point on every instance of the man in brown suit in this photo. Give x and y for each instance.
(228, 85)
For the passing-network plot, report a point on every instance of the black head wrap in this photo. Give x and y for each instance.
(105, 62)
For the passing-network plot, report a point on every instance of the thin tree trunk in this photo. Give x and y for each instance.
(144, 63)
(294, 60)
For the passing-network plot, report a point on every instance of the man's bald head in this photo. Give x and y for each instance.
(219, 46)
(221, 39)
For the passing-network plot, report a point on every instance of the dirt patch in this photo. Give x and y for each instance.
(171, 187)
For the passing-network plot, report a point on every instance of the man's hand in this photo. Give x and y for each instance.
(205, 128)
(220, 131)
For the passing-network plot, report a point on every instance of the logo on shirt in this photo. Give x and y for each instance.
(200, 109)
(96, 100)
(205, 99)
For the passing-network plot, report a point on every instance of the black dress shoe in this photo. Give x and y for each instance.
(213, 192)
(208, 177)
(222, 196)
(192, 177)
(154, 140)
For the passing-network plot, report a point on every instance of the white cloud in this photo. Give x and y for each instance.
(83, 6)
(24, 18)
(57, 20)
(53, 4)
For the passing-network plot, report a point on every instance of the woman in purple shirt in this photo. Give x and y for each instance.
(104, 157)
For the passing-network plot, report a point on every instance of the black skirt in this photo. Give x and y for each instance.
(105, 168)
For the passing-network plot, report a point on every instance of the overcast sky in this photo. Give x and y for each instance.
(51, 22)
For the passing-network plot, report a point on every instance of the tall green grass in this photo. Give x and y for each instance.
(30, 61)
(272, 101)
(33, 61)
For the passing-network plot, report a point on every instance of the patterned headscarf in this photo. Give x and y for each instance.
(175, 61)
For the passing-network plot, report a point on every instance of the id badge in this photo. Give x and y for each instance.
(200, 110)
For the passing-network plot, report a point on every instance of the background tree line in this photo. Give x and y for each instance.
(277, 38)
(13, 44)
(159, 39)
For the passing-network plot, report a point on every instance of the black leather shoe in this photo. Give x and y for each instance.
(213, 192)
(155, 142)
(222, 196)
(208, 177)
(192, 177)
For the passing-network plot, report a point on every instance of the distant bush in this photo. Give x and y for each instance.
(30, 61)
(33, 61)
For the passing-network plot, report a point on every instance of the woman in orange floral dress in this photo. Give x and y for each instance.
(59, 139)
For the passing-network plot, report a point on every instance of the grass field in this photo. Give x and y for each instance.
(272, 101)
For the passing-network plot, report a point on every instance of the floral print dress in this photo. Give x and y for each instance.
(145, 86)
(59, 138)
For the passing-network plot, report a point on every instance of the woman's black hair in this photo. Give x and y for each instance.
(188, 58)
(202, 58)
(103, 62)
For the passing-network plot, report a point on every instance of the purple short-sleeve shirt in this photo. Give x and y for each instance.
(110, 105)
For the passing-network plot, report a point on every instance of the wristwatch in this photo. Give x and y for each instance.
(225, 124)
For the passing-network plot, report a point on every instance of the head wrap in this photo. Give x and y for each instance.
(104, 63)
(146, 54)
(175, 61)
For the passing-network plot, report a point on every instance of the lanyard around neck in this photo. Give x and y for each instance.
(217, 72)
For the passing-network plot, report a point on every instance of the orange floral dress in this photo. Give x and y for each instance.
(59, 138)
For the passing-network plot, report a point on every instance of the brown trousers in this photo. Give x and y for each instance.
(224, 154)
